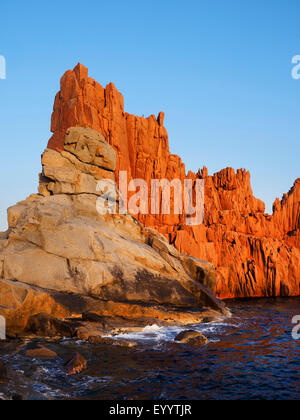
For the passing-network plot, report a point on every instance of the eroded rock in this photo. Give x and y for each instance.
(75, 364)
(39, 352)
(254, 254)
(61, 257)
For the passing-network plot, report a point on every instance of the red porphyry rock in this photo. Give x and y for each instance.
(255, 254)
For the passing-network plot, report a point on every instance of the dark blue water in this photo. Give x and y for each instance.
(251, 356)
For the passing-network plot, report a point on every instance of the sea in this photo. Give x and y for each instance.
(255, 355)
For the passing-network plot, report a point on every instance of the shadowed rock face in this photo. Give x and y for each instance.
(61, 257)
(255, 254)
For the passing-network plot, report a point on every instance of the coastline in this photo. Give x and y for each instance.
(256, 340)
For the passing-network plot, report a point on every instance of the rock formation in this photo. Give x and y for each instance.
(60, 257)
(255, 254)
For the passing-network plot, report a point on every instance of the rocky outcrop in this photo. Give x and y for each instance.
(60, 257)
(255, 254)
(193, 338)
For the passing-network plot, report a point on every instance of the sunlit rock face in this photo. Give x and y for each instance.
(255, 254)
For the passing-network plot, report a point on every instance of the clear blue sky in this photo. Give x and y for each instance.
(221, 70)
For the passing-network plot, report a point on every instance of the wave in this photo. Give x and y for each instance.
(154, 333)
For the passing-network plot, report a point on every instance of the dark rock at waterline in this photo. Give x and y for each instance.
(44, 325)
(209, 320)
(109, 341)
(94, 317)
(75, 364)
(39, 352)
(3, 373)
(193, 338)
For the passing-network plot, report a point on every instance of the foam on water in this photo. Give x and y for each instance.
(154, 333)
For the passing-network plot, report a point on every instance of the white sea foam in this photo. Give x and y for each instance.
(151, 328)
(154, 333)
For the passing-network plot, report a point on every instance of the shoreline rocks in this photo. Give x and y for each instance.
(75, 364)
(192, 338)
(39, 352)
